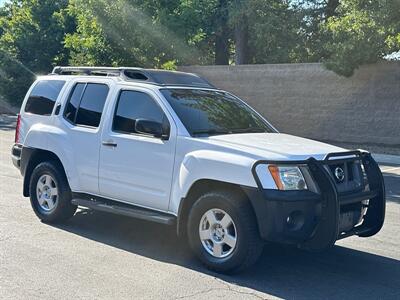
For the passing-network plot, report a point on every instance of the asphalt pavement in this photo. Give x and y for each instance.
(97, 255)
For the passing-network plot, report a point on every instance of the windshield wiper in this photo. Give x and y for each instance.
(249, 130)
(211, 132)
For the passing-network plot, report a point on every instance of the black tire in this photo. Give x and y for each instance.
(248, 246)
(63, 209)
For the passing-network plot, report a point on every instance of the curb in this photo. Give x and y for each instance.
(387, 159)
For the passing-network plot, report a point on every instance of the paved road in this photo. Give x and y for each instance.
(97, 255)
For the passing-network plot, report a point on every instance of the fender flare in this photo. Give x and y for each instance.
(30, 158)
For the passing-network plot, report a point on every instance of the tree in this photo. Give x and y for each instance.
(222, 34)
(363, 32)
(239, 18)
(134, 33)
(330, 8)
(35, 35)
(31, 42)
(267, 32)
(308, 39)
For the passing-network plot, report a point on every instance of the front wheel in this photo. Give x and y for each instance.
(223, 233)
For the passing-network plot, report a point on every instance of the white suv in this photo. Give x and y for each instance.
(169, 147)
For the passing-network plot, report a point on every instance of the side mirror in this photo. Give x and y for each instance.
(151, 128)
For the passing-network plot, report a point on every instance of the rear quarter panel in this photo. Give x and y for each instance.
(56, 140)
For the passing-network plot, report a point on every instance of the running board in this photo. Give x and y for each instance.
(128, 210)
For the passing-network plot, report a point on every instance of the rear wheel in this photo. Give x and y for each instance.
(50, 193)
(222, 232)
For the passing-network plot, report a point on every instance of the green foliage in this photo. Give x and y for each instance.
(362, 33)
(132, 33)
(31, 42)
(36, 35)
(169, 65)
(273, 29)
(15, 79)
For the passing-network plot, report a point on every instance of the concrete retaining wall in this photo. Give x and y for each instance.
(310, 101)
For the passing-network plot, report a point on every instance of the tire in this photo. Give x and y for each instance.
(248, 246)
(50, 198)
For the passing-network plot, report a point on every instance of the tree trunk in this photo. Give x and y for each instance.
(330, 9)
(242, 42)
(222, 34)
(222, 47)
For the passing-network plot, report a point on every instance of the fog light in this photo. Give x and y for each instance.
(295, 220)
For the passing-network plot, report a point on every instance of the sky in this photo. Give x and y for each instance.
(2, 2)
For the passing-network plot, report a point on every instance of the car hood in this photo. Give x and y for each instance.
(274, 146)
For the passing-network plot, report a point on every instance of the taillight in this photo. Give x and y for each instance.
(17, 129)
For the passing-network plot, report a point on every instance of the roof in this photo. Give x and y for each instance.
(151, 76)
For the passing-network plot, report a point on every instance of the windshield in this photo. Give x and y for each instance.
(205, 112)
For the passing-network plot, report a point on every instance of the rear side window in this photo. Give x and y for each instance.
(86, 103)
(73, 103)
(43, 96)
(134, 105)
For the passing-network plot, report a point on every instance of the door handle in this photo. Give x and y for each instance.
(109, 144)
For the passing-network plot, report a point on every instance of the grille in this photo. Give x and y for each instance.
(348, 175)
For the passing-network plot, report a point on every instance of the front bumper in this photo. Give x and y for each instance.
(317, 220)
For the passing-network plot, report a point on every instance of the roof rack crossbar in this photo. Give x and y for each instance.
(89, 70)
(138, 74)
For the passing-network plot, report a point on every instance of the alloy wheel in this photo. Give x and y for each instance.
(47, 193)
(218, 233)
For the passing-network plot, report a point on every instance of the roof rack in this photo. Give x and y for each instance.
(152, 76)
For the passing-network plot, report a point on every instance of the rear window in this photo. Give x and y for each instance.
(43, 96)
(86, 103)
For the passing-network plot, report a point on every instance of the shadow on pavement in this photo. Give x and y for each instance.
(340, 273)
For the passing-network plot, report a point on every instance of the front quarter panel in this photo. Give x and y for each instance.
(212, 165)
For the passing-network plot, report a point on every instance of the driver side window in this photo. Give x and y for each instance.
(133, 105)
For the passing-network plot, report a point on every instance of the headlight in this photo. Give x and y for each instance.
(287, 178)
(284, 177)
